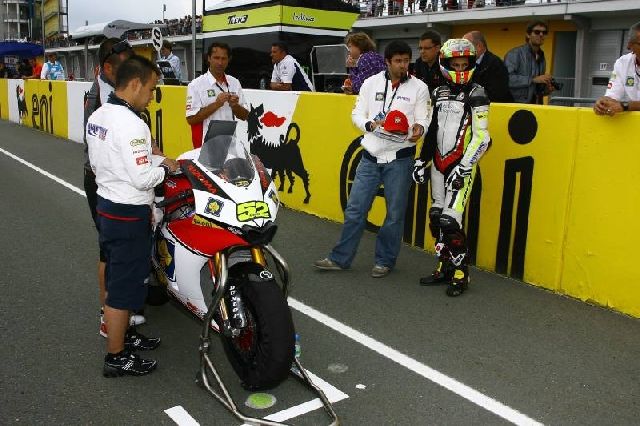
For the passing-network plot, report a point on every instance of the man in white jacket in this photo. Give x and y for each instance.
(119, 144)
(623, 91)
(393, 109)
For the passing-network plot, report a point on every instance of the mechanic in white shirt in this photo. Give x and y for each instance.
(287, 72)
(623, 91)
(214, 95)
(166, 54)
(119, 144)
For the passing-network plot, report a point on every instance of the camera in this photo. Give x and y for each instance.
(556, 85)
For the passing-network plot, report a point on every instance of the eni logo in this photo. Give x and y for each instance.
(42, 111)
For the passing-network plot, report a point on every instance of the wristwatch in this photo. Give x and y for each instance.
(368, 126)
(625, 106)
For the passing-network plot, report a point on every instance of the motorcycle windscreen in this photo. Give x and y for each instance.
(225, 156)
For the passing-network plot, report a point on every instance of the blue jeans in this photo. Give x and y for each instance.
(396, 178)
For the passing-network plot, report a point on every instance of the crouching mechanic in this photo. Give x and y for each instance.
(119, 145)
(459, 131)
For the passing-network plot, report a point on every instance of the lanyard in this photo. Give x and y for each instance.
(228, 91)
(393, 95)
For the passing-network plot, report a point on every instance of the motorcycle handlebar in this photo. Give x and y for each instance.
(181, 196)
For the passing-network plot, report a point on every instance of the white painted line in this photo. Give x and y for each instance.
(468, 393)
(45, 173)
(428, 373)
(332, 393)
(181, 417)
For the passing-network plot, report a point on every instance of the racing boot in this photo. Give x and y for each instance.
(459, 282)
(442, 274)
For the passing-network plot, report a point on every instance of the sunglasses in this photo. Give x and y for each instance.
(540, 32)
(119, 47)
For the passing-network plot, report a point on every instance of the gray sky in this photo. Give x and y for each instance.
(146, 11)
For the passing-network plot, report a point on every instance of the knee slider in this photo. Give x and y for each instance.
(448, 224)
(453, 235)
(434, 221)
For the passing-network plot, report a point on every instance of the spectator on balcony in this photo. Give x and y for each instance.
(362, 62)
(490, 73)
(526, 64)
(427, 67)
(36, 68)
(52, 69)
(166, 54)
(623, 91)
(4, 71)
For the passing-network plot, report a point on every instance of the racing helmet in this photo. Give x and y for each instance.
(456, 48)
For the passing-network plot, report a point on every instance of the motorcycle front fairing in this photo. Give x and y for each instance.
(229, 188)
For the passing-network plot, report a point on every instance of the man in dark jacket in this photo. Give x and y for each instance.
(427, 67)
(491, 73)
(526, 64)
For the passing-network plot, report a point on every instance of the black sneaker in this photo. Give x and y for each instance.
(127, 363)
(133, 340)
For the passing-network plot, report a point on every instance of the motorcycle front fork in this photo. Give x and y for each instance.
(231, 307)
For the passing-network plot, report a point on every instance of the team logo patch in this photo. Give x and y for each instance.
(142, 160)
(213, 207)
(379, 96)
(211, 93)
(97, 131)
(630, 81)
(137, 142)
(274, 197)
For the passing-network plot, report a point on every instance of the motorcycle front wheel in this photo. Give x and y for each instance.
(262, 354)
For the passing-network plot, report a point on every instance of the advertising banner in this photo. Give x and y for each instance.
(540, 209)
(4, 100)
(75, 108)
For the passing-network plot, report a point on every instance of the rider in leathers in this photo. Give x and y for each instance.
(459, 132)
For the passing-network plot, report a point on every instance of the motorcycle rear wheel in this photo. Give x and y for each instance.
(262, 354)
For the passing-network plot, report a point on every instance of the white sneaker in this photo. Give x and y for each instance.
(137, 319)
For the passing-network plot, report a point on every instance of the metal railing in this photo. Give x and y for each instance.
(378, 8)
(571, 101)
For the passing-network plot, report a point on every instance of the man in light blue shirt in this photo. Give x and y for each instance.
(52, 69)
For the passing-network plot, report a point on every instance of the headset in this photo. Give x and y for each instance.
(404, 77)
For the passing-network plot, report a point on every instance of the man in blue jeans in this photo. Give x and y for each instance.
(393, 109)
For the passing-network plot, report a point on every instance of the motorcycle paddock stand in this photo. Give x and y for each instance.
(208, 371)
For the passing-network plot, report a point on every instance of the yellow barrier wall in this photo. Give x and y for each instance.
(4, 99)
(600, 254)
(47, 106)
(548, 206)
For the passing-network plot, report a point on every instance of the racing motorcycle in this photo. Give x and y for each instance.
(217, 222)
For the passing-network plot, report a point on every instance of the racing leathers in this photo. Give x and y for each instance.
(459, 132)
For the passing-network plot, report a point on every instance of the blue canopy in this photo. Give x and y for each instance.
(23, 50)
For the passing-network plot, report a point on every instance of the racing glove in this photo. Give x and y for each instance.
(455, 180)
(419, 168)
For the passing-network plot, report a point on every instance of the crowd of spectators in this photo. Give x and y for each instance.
(181, 26)
(375, 8)
(174, 27)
